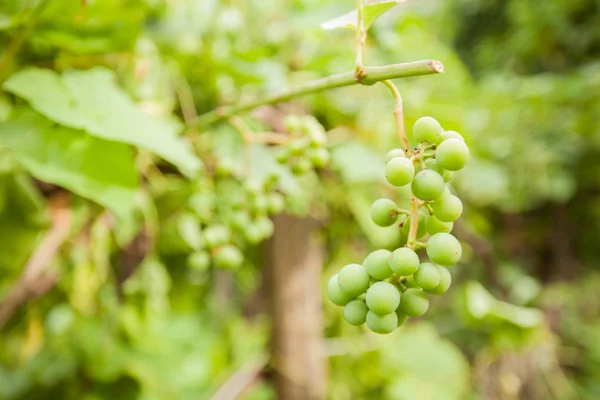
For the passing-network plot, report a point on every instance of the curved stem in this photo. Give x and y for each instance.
(414, 223)
(399, 116)
(371, 75)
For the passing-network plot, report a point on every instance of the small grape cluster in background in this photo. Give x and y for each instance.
(389, 287)
(307, 147)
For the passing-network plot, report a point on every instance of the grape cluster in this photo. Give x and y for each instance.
(391, 286)
(306, 149)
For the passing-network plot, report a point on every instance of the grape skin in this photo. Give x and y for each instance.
(399, 171)
(444, 249)
(382, 323)
(382, 298)
(427, 276)
(452, 154)
(445, 282)
(335, 294)
(353, 279)
(428, 185)
(404, 261)
(414, 303)
(384, 212)
(447, 208)
(355, 312)
(378, 264)
(427, 129)
(434, 225)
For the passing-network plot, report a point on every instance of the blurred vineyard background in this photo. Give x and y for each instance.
(97, 300)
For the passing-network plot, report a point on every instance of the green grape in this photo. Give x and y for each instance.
(253, 187)
(383, 298)
(399, 171)
(319, 157)
(297, 147)
(301, 166)
(414, 303)
(240, 220)
(402, 318)
(265, 225)
(384, 212)
(434, 225)
(317, 137)
(452, 154)
(378, 264)
(447, 208)
(282, 156)
(382, 323)
(449, 135)
(428, 185)
(433, 165)
(394, 154)
(410, 282)
(260, 203)
(427, 276)
(353, 279)
(445, 281)
(427, 129)
(355, 312)
(253, 233)
(217, 235)
(444, 249)
(275, 203)
(199, 260)
(228, 257)
(335, 294)
(404, 261)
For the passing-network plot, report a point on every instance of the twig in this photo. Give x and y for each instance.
(414, 223)
(186, 100)
(242, 379)
(35, 278)
(399, 116)
(361, 36)
(371, 76)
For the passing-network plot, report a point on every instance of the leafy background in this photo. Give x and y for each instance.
(94, 104)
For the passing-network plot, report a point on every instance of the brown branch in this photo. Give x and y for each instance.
(36, 279)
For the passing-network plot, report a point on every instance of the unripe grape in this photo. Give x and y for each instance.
(228, 257)
(450, 135)
(319, 157)
(444, 249)
(301, 166)
(260, 203)
(199, 260)
(402, 318)
(383, 298)
(404, 261)
(447, 208)
(427, 129)
(275, 203)
(382, 323)
(428, 185)
(434, 225)
(427, 276)
(414, 303)
(335, 294)
(393, 154)
(378, 264)
(452, 154)
(265, 225)
(445, 281)
(384, 212)
(355, 312)
(410, 282)
(353, 279)
(399, 171)
(217, 235)
(282, 156)
(297, 147)
(253, 233)
(433, 165)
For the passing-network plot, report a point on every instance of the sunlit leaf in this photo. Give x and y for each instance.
(370, 13)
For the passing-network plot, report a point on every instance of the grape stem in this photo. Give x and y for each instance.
(399, 116)
(414, 223)
(361, 36)
(370, 76)
(428, 207)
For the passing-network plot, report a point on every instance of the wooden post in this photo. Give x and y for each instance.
(295, 261)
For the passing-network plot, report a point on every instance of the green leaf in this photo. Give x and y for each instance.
(99, 170)
(358, 163)
(91, 100)
(370, 13)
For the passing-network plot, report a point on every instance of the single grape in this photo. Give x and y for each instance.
(444, 249)
(447, 208)
(434, 225)
(378, 264)
(384, 212)
(427, 276)
(404, 261)
(301, 166)
(199, 260)
(414, 303)
(319, 157)
(452, 154)
(428, 185)
(282, 156)
(217, 235)
(265, 225)
(382, 323)
(355, 312)
(383, 298)
(450, 135)
(445, 281)
(228, 257)
(297, 147)
(260, 203)
(335, 294)
(275, 203)
(399, 171)
(402, 318)
(427, 129)
(353, 279)
(393, 154)
(432, 164)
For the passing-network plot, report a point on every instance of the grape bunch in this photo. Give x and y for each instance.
(391, 286)
(306, 149)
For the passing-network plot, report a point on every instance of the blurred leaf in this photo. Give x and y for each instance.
(370, 13)
(357, 163)
(91, 100)
(346, 21)
(96, 169)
